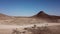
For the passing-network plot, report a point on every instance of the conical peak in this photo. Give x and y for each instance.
(41, 12)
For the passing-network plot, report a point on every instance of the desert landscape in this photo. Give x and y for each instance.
(40, 23)
(40, 17)
(29, 16)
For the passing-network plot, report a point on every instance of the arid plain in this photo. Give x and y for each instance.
(41, 19)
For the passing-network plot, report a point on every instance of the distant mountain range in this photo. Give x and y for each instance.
(40, 17)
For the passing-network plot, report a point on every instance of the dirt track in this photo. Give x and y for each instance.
(29, 25)
(7, 29)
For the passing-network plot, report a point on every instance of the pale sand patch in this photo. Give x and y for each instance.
(7, 29)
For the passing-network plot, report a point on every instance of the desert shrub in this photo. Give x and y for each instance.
(15, 31)
(35, 30)
(39, 30)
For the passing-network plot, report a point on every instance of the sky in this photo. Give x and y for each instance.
(29, 7)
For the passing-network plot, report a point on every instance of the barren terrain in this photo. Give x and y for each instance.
(9, 23)
(8, 29)
(41, 17)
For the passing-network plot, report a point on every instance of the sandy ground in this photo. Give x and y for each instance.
(7, 29)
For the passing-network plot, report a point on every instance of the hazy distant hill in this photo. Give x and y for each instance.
(41, 17)
(4, 17)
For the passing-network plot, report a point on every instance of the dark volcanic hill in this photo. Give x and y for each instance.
(41, 14)
(44, 16)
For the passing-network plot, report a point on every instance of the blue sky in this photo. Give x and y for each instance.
(29, 7)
